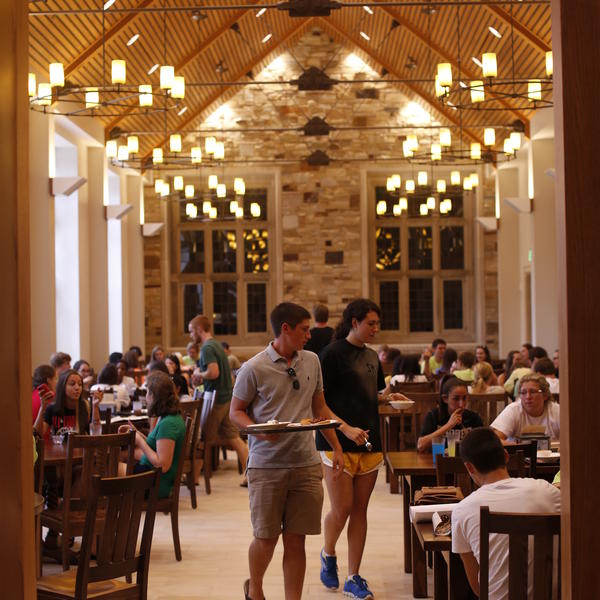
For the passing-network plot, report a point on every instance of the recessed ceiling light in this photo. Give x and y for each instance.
(477, 61)
(267, 38)
(495, 32)
(463, 84)
(183, 109)
(108, 4)
(261, 12)
(368, 9)
(153, 68)
(133, 39)
(365, 36)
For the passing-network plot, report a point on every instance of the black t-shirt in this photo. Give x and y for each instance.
(65, 418)
(433, 421)
(319, 338)
(352, 376)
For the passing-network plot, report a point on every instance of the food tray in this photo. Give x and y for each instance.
(261, 428)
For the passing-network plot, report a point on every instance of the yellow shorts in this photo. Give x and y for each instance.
(356, 463)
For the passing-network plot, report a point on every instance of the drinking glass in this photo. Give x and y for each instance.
(452, 436)
(438, 445)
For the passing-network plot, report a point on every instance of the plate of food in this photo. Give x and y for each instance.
(268, 426)
(287, 427)
(548, 456)
(401, 404)
(315, 424)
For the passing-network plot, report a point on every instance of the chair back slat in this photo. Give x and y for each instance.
(487, 406)
(517, 566)
(177, 482)
(529, 450)
(206, 409)
(192, 409)
(450, 470)
(543, 550)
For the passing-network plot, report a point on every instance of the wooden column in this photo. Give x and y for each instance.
(17, 563)
(575, 28)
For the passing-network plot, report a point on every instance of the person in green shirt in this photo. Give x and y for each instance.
(464, 366)
(432, 358)
(164, 444)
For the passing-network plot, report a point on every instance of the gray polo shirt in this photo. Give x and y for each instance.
(263, 381)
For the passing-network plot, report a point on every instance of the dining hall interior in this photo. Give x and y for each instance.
(433, 156)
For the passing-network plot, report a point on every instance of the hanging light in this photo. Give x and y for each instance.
(440, 90)
(515, 140)
(178, 87)
(397, 181)
(441, 186)
(508, 147)
(158, 184)
(475, 151)
(396, 210)
(422, 178)
(221, 190)
(239, 186)
(189, 191)
(445, 206)
(409, 186)
(219, 151)
(489, 65)
(167, 76)
(444, 73)
(534, 89)
(445, 137)
(191, 210)
(44, 94)
(178, 183)
(31, 85)
(175, 142)
(474, 179)
(157, 155)
(209, 145)
(403, 204)
(196, 153)
(57, 75)
(92, 98)
(423, 210)
(381, 207)
(111, 149)
(436, 152)
(212, 213)
(406, 149)
(133, 144)
(255, 209)
(145, 94)
(239, 213)
(118, 71)
(455, 178)
(467, 183)
(166, 189)
(206, 206)
(477, 93)
(233, 206)
(431, 203)
(412, 142)
(549, 64)
(389, 184)
(489, 136)
(213, 181)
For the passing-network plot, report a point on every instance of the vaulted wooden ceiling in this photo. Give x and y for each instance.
(404, 43)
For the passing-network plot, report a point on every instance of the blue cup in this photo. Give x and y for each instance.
(438, 446)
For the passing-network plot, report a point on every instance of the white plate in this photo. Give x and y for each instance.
(319, 423)
(267, 426)
(543, 455)
(401, 404)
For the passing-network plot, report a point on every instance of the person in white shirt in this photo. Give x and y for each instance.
(533, 408)
(546, 367)
(485, 459)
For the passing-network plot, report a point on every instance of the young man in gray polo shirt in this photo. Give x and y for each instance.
(283, 382)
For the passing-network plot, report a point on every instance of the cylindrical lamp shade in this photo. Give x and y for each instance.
(213, 182)
(209, 145)
(412, 142)
(431, 203)
(396, 210)
(455, 178)
(219, 151)
(133, 144)
(477, 93)
(239, 186)
(191, 210)
(403, 203)
(489, 136)
(178, 87)
(212, 213)
(423, 210)
(406, 149)
(178, 183)
(508, 148)
(167, 76)
(422, 177)
(111, 149)
(221, 190)
(474, 179)
(515, 140)
(440, 90)
(233, 206)
(190, 192)
(444, 73)
(44, 94)
(396, 180)
(549, 64)
(92, 98)
(441, 186)
(57, 75)
(239, 213)
(389, 184)
(534, 89)
(145, 94)
(206, 206)
(445, 137)
(175, 142)
(255, 209)
(489, 64)
(475, 151)
(166, 189)
(157, 155)
(409, 186)
(122, 153)
(467, 183)
(436, 152)
(31, 85)
(381, 208)
(118, 71)
(158, 183)
(196, 152)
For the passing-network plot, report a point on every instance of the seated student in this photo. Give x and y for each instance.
(450, 356)
(525, 348)
(485, 460)
(162, 448)
(508, 366)
(431, 358)
(192, 356)
(157, 354)
(87, 373)
(535, 354)
(122, 379)
(61, 361)
(114, 395)
(546, 367)
(482, 354)
(533, 408)
(464, 366)
(407, 370)
(484, 380)
(234, 362)
(451, 414)
(518, 370)
(44, 385)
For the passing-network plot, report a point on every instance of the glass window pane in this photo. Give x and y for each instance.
(387, 240)
(192, 251)
(225, 307)
(193, 303)
(420, 300)
(256, 250)
(258, 196)
(224, 248)
(452, 251)
(388, 302)
(420, 243)
(453, 305)
(257, 307)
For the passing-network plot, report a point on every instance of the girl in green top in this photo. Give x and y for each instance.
(162, 448)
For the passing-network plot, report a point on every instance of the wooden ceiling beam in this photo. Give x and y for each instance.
(108, 34)
(337, 31)
(214, 97)
(423, 38)
(528, 35)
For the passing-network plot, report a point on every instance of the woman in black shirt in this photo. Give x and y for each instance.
(450, 414)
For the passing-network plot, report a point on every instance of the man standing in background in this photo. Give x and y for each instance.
(321, 334)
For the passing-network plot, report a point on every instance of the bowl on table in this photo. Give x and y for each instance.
(401, 404)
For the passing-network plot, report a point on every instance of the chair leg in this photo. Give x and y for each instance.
(175, 528)
(191, 484)
(224, 452)
(206, 466)
(64, 549)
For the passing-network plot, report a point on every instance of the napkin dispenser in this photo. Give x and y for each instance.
(542, 440)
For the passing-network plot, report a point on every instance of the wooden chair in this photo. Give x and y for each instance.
(192, 409)
(412, 387)
(543, 528)
(101, 456)
(204, 450)
(170, 505)
(117, 504)
(38, 468)
(487, 406)
(529, 450)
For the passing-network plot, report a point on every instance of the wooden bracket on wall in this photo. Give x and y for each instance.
(521, 205)
(150, 229)
(116, 211)
(65, 186)
(488, 223)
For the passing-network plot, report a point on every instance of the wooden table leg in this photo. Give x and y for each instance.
(407, 526)
(419, 567)
(440, 577)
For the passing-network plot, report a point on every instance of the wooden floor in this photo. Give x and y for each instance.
(215, 538)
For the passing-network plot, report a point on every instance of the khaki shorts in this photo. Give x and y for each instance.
(356, 463)
(218, 425)
(288, 500)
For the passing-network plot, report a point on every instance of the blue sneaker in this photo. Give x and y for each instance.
(329, 571)
(356, 587)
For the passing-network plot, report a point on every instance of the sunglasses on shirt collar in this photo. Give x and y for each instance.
(293, 377)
